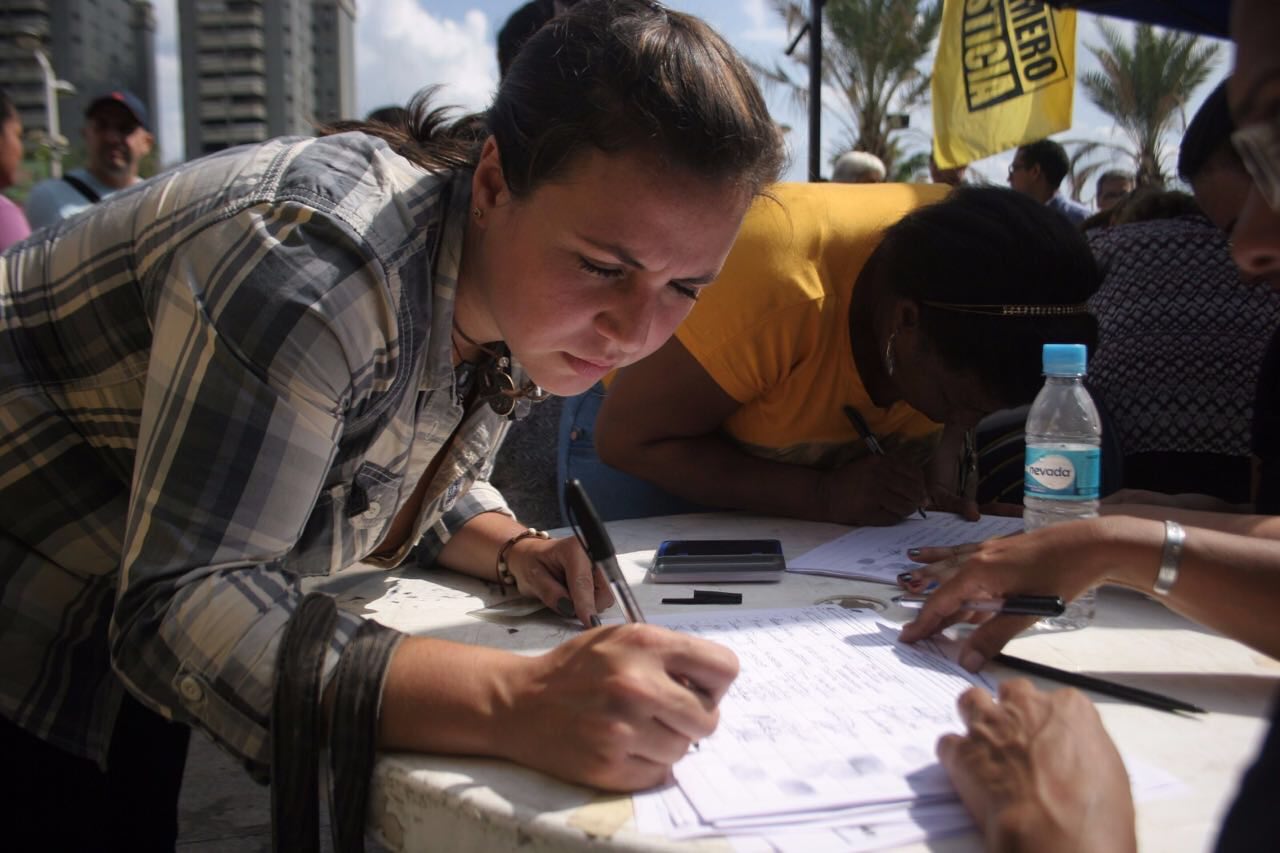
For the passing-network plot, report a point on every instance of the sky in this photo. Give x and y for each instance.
(402, 45)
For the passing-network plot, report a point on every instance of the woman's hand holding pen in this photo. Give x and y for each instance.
(1038, 771)
(952, 474)
(559, 574)
(615, 707)
(1058, 560)
(944, 498)
(875, 490)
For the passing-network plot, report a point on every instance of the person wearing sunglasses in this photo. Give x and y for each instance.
(1037, 171)
(1023, 743)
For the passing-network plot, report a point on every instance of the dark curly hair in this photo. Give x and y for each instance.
(991, 246)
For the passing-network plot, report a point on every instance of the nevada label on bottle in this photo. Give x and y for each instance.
(1066, 474)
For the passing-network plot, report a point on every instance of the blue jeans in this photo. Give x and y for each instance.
(614, 494)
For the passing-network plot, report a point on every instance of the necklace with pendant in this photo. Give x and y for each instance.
(492, 380)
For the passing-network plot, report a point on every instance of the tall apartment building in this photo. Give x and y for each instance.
(335, 50)
(96, 45)
(254, 69)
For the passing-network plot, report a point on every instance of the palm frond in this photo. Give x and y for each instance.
(872, 55)
(1144, 84)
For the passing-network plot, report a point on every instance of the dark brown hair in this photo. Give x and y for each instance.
(1155, 203)
(614, 75)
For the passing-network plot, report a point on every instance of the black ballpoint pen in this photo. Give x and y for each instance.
(595, 540)
(1099, 685)
(1013, 605)
(869, 438)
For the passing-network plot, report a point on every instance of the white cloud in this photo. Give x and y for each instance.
(764, 24)
(401, 47)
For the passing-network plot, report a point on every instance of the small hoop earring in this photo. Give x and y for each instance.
(477, 213)
(889, 364)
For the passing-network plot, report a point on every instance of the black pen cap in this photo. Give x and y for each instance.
(586, 523)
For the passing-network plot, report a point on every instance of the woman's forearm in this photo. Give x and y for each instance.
(1226, 581)
(444, 697)
(1261, 526)
(473, 548)
(710, 470)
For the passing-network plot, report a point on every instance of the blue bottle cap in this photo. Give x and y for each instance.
(1065, 359)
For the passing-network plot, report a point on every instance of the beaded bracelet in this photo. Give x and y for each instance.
(504, 571)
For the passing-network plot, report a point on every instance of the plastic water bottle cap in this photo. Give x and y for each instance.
(1065, 359)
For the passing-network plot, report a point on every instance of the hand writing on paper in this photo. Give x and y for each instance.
(617, 706)
(1039, 772)
(953, 480)
(875, 490)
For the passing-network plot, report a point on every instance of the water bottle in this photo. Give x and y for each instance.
(1064, 441)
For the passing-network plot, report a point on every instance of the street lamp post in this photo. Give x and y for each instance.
(54, 140)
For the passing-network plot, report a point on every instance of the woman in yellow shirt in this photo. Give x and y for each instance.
(922, 312)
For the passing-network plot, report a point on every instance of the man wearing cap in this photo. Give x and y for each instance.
(116, 136)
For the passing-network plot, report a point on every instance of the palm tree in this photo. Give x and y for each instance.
(1145, 85)
(872, 51)
(1082, 165)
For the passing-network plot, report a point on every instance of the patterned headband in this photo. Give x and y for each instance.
(1012, 310)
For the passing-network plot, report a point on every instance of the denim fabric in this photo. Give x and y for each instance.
(613, 493)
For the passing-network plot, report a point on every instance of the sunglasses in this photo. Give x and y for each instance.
(1259, 148)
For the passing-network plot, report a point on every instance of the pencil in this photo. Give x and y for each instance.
(869, 438)
(1099, 685)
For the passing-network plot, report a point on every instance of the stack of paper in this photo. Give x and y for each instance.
(826, 740)
(880, 553)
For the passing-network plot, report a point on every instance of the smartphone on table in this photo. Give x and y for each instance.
(718, 561)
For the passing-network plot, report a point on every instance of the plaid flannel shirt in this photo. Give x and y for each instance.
(213, 385)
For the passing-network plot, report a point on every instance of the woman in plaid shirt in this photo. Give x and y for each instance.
(281, 360)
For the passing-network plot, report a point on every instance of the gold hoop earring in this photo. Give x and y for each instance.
(477, 213)
(889, 364)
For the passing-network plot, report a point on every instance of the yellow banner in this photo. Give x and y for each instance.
(1004, 76)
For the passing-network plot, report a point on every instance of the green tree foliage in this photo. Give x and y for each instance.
(1145, 84)
(872, 53)
(910, 168)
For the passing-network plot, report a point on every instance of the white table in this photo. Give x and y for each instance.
(425, 802)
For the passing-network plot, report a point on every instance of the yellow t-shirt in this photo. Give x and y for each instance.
(773, 330)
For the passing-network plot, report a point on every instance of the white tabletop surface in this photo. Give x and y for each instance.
(427, 802)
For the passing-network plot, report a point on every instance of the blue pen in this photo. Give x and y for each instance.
(873, 443)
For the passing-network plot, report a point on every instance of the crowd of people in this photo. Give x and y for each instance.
(281, 360)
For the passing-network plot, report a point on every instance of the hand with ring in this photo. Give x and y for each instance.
(1052, 561)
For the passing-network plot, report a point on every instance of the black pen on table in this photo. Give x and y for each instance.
(869, 438)
(1013, 605)
(1099, 685)
(595, 540)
